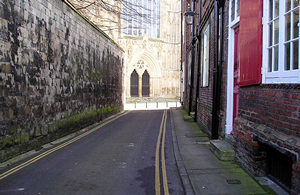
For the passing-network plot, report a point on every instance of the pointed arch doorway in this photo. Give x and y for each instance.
(146, 84)
(134, 84)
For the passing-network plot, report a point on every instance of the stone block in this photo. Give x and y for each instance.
(5, 68)
(188, 118)
(24, 137)
(7, 141)
(44, 130)
(3, 24)
(223, 150)
(10, 113)
(17, 139)
(37, 131)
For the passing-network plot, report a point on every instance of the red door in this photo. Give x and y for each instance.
(236, 73)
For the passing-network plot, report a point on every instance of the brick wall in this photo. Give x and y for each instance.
(55, 68)
(206, 93)
(276, 106)
(204, 105)
(268, 115)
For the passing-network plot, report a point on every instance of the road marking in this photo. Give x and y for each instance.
(163, 160)
(12, 190)
(46, 153)
(161, 141)
(157, 169)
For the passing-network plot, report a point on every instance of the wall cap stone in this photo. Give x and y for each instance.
(68, 3)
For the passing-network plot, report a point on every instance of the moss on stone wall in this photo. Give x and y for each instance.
(21, 141)
(7, 141)
(81, 120)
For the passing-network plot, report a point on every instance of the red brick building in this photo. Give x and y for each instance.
(203, 62)
(244, 81)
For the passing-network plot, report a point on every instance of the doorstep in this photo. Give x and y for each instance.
(222, 150)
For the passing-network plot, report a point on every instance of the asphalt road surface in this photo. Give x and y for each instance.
(118, 158)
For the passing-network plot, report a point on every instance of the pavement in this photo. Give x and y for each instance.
(200, 170)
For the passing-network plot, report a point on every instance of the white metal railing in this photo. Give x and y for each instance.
(151, 105)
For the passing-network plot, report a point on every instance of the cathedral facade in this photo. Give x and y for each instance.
(149, 32)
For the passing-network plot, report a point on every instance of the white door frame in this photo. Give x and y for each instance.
(230, 68)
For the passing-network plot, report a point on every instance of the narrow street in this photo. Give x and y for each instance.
(118, 158)
(150, 97)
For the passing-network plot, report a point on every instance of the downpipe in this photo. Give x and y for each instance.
(199, 62)
(192, 65)
(217, 72)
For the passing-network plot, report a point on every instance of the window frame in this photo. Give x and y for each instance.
(280, 76)
(236, 12)
(147, 24)
(189, 68)
(205, 62)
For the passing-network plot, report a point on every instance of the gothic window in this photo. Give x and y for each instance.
(140, 64)
(134, 84)
(146, 84)
(141, 17)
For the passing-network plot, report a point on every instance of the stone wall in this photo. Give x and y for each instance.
(58, 73)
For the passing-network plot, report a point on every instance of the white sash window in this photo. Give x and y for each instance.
(205, 57)
(281, 41)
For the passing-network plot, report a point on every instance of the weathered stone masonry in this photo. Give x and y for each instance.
(58, 73)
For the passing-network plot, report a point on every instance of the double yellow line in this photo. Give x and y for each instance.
(44, 154)
(161, 142)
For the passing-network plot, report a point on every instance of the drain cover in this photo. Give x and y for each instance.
(233, 181)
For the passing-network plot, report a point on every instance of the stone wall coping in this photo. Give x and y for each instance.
(68, 3)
